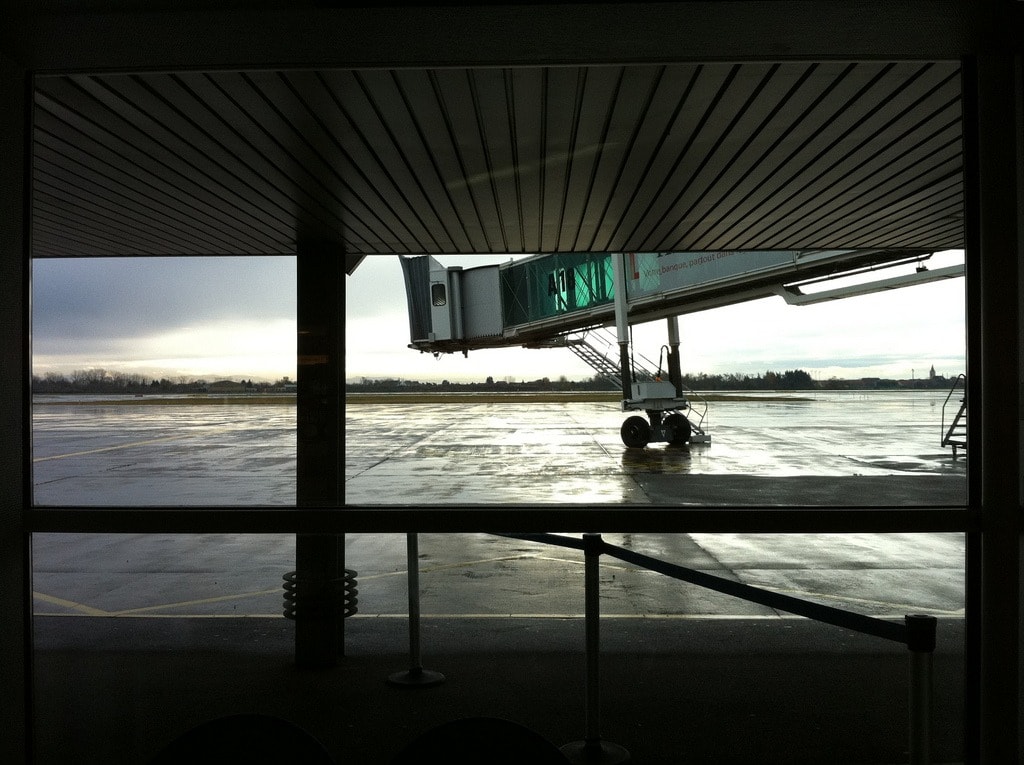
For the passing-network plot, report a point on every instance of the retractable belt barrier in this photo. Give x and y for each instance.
(917, 632)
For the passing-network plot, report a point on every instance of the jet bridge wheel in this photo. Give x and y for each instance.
(679, 428)
(635, 432)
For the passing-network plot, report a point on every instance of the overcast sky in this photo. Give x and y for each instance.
(208, 318)
(234, 318)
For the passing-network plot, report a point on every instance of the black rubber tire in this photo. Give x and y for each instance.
(681, 429)
(635, 432)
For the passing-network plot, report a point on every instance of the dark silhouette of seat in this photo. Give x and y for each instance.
(244, 738)
(476, 740)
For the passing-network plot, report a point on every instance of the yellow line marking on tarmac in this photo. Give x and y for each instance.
(467, 563)
(442, 567)
(166, 616)
(91, 611)
(553, 559)
(604, 564)
(464, 564)
(199, 602)
(81, 607)
(108, 448)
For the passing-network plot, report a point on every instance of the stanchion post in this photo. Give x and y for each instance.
(415, 676)
(921, 642)
(592, 750)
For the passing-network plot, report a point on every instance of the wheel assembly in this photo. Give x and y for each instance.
(678, 429)
(635, 432)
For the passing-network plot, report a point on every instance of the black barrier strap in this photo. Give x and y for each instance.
(858, 622)
(869, 625)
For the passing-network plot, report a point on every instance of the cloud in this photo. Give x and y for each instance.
(131, 297)
(165, 316)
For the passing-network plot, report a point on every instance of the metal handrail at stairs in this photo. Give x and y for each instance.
(604, 361)
(955, 435)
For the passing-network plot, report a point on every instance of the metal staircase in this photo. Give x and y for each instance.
(603, 361)
(605, 368)
(956, 434)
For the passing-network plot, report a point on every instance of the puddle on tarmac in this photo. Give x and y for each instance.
(668, 459)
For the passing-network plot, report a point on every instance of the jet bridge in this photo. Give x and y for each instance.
(541, 300)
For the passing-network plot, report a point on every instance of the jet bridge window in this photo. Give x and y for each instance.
(438, 295)
(555, 284)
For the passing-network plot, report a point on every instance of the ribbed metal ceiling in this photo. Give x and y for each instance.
(489, 160)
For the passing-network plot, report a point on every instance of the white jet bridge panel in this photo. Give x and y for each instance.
(657, 273)
(535, 299)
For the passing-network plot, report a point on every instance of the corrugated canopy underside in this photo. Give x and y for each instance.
(794, 155)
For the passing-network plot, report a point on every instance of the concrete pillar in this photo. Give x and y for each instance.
(995, 194)
(15, 560)
(320, 558)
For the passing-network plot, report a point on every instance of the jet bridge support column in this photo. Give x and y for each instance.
(662, 401)
(622, 322)
(675, 374)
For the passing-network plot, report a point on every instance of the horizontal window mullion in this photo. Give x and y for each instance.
(501, 518)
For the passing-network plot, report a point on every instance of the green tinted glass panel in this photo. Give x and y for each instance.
(554, 285)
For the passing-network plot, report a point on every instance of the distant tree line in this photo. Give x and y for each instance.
(798, 379)
(793, 379)
(395, 385)
(103, 381)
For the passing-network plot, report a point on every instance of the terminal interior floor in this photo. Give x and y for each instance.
(140, 638)
(672, 691)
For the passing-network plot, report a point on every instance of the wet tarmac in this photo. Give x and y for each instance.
(800, 450)
(496, 453)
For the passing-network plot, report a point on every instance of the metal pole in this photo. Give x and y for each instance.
(921, 642)
(413, 556)
(592, 604)
(592, 750)
(415, 676)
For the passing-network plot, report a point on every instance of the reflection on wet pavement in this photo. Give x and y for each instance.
(572, 452)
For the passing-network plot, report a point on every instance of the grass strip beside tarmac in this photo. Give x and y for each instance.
(158, 400)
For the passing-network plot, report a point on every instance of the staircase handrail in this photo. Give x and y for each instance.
(956, 386)
(692, 395)
(638, 362)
